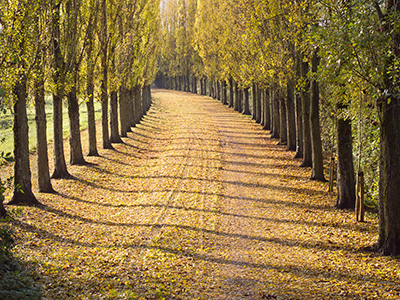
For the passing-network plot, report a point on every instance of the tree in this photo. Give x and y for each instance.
(16, 64)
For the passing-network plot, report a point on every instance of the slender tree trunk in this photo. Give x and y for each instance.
(305, 108)
(258, 105)
(76, 155)
(230, 92)
(41, 137)
(299, 127)
(282, 118)
(262, 99)
(23, 194)
(290, 116)
(237, 100)
(123, 111)
(254, 94)
(246, 109)
(90, 103)
(267, 119)
(104, 80)
(114, 138)
(138, 104)
(60, 166)
(316, 143)
(275, 114)
(224, 94)
(346, 195)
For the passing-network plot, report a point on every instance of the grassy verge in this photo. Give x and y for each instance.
(6, 123)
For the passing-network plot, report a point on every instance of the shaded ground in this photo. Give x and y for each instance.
(199, 203)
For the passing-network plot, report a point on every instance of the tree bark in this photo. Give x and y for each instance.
(316, 143)
(230, 92)
(305, 108)
(76, 154)
(258, 105)
(237, 99)
(123, 111)
(90, 102)
(389, 110)
(275, 114)
(282, 118)
(114, 138)
(346, 194)
(224, 94)
(246, 109)
(23, 194)
(254, 94)
(138, 104)
(104, 80)
(290, 116)
(266, 111)
(60, 166)
(44, 182)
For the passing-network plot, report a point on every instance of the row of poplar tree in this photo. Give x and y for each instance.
(74, 50)
(308, 65)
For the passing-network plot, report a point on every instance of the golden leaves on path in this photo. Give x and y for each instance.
(199, 203)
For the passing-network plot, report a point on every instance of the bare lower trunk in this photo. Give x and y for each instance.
(346, 194)
(282, 119)
(44, 182)
(254, 96)
(305, 108)
(231, 92)
(275, 114)
(258, 105)
(246, 108)
(316, 143)
(390, 175)
(90, 112)
(22, 174)
(290, 116)
(114, 137)
(266, 111)
(138, 104)
(76, 155)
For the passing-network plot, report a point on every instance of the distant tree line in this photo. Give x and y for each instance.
(301, 68)
(74, 50)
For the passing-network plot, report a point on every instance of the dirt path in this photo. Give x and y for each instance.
(199, 203)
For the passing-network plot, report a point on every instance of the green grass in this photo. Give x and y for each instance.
(6, 123)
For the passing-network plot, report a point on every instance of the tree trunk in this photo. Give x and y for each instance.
(114, 138)
(305, 108)
(123, 111)
(90, 103)
(389, 110)
(258, 105)
(290, 116)
(22, 174)
(237, 100)
(316, 143)
(282, 118)
(76, 155)
(44, 182)
(138, 104)
(246, 109)
(346, 195)
(262, 99)
(275, 114)
(299, 126)
(230, 92)
(104, 80)
(224, 94)
(266, 111)
(254, 94)
(60, 166)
